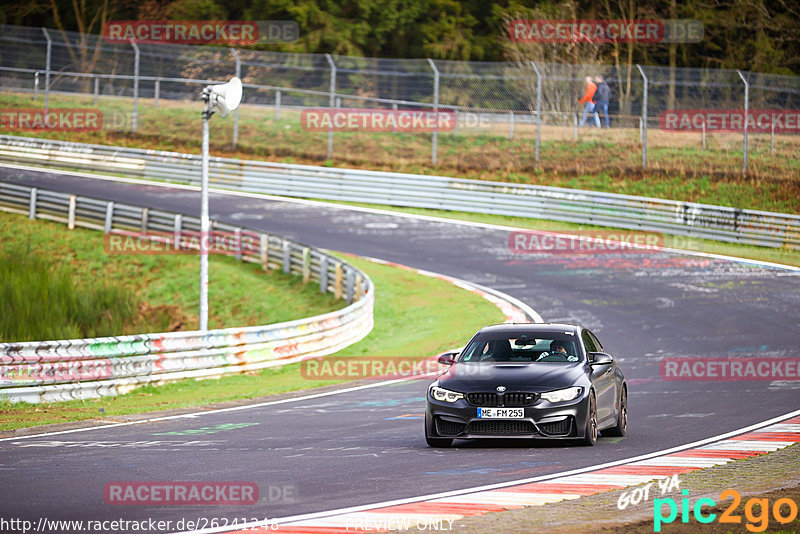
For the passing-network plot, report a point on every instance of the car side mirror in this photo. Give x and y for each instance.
(600, 358)
(448, 358)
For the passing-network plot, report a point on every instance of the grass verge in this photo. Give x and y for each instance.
(163, 288)
(601, 160)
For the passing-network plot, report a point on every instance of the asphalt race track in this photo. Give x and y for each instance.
(367, 446)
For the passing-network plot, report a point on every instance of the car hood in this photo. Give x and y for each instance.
(536, 377)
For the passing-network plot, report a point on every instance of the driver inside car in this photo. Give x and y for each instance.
(558, 352)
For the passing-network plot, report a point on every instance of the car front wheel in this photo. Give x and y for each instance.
(590, 432)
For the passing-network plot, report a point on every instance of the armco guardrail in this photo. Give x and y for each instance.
(83, 368)
(554, 203)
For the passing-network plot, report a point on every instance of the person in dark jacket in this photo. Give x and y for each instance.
(602, 96)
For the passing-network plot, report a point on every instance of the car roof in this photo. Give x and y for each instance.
(529, 328)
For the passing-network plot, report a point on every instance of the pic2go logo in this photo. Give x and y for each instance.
(756, 511)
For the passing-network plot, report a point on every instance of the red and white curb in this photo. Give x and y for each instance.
(443, 509)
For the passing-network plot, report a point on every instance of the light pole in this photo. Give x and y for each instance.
(223, 99)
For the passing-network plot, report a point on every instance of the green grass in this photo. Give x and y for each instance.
(163, 288)
(606, 160)
(41, 302)
(415, 316)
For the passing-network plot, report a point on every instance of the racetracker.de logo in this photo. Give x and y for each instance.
(730, 369)
(376, 120)
(585, 242)
(181, 493)
(216, 242)
(605, 31)
(731, 120)
(54, 120)
(232, 32)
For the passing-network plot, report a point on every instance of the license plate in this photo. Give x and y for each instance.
(501, 413)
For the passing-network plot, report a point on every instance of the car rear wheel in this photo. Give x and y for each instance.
(590, 432)
(434, 441)
(622, 416)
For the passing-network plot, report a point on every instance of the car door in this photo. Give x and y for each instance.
(603, 380)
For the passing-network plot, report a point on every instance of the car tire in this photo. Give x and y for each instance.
(590, 432)
(436, 442)
(622, 416)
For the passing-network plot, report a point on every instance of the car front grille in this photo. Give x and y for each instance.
(556, 428)
(518, 398)
(449, 428)
(501, 428)
(510, 398)
(482, 399)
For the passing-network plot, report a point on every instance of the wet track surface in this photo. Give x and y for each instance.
(367, 446)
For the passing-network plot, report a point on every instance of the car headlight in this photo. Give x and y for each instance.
(445, 395)
(561, 395)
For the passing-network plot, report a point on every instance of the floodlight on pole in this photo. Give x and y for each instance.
(222, 99)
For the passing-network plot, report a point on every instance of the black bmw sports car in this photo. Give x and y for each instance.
(549, 381)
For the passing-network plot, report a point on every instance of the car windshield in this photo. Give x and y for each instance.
(549, 348)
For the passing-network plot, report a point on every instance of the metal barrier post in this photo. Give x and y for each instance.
(435, 109)
(644, 119)
(323, 275)
(32, 204)
(277, 105)
(109, 218)
(157, 92)
(331, 101)
(36, 85)
(746, 118)
(96, 90)
(539, 109)
(704, 135)
(47, 71)
(510, 125)
(135, 86)
(236, 112)
(772, 140)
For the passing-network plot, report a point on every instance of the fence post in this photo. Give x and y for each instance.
(47, 71)
(331, 101)
(36, 85)
(109, 218)
(287, 257)
(237, 238)
(277, 105)
(135, 85)
(575, 127)
(236, 113)
(746, 117)
(96, 90)
(337, 286)
(644, 119)
(71, 213)
(306, 265)
(323, 274)
(32, 205)
(264, 250)
(177, 229)
(539, 110)
(157, 91)
(704, 135)
(510, 125)
(772, 140)
(435, 110)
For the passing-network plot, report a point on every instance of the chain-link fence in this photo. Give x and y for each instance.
(509, 117)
